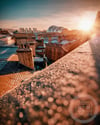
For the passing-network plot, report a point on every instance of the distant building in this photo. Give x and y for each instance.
(4, 31)
(22, 30)
(26, 30)
(54, 28)
(30, 30)
(22, 38)
(35, 30)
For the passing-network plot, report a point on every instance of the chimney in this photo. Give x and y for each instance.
(25, 56)
(32, 45)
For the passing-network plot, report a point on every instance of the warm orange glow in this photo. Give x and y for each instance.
(85, 24)
(10, 41)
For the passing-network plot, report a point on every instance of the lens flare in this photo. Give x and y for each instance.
(85, 24)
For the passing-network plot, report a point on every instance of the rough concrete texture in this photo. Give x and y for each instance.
(45, 98)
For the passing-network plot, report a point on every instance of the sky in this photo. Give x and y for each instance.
(44, 13)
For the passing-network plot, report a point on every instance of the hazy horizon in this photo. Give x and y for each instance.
(42, 14)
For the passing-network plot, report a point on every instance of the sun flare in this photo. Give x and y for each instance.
(85, 24)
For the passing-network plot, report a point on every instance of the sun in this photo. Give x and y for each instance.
(85, 24)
